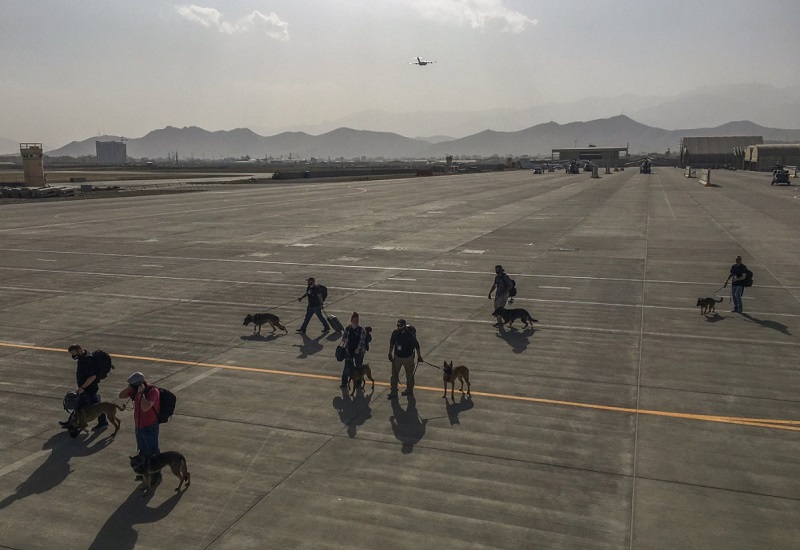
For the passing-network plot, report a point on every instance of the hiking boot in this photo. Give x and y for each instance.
(64, 425)
(343, 386)
(407, 392)
(138, 477)
(391, 396)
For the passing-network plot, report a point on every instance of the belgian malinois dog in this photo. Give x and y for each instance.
(146, 466)
(449, 376)
(707, 305)
(259, 319)
(357, 378)
(80, 419)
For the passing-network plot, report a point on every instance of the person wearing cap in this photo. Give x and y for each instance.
(146, 401)
(738, 274)
(88, 384)
(402, 345)
(315, 300)
(354, 340)
(503, 284)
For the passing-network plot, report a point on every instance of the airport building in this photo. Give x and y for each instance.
(603, 156)
(766, 156)
(714, 151)
(111, 152)
(32, 164)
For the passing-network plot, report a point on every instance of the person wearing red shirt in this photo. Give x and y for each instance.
(146, 404)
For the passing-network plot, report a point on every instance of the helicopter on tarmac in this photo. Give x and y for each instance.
(645, 165)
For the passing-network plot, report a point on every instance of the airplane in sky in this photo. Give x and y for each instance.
(421, 62)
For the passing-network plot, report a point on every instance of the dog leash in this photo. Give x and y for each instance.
(429, 364)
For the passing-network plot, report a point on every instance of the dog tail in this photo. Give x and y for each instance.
(718, 301)
(119, 407)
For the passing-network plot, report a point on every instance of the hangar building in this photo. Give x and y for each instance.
(598, 155)
(766, 156)
(714, 151)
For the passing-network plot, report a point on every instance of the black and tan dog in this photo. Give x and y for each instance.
(449, 376)
(707, 305)
(147, 466)
(510, 315)
(357, 378)
(259, 319)
(80, 419)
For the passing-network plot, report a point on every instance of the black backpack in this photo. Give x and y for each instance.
(323, 292)
(513, 291)
(102, 362)
(748, 278)
(166, 407)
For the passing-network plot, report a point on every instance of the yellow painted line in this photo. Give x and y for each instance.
(790, 425)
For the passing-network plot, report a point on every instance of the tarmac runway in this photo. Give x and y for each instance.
(622, 419)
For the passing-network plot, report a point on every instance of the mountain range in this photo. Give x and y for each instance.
(617, 131)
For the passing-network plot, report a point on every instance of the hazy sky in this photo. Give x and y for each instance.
(79, 68)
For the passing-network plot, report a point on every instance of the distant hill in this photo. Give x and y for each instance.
(8, 146)
(348, 143)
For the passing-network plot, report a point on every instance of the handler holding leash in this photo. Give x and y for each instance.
(402, 345)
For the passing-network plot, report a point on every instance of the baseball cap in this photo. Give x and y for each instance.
(135, 378)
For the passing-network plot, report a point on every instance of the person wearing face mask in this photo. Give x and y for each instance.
(354, 340)
(86, 376)
(146, 403)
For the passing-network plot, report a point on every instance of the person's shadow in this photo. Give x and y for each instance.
(310, 346)
(118, 531)
(353, 412)
(774, 325)
(56, 466)
(407, 425)
(518, 340)
(453, 410)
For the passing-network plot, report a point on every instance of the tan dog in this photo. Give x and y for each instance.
(357, 378)
(146, 466)
(449, 375)
(707, 305)
(80, 419)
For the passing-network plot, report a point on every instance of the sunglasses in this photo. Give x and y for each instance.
(75, 357)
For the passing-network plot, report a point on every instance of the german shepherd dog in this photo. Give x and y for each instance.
(259, 319)
(80, 419)
(707, 305)
(146, 466)
(511, 315)
(449, 376)
(357, 378)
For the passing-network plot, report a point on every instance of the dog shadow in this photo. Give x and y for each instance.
(118, 531)
(519, 340)
(714, 317)
(56, 467)
(407, 425)
(353, 411)
(774, 325)
(453, 410)
(310, 346)
(259, 338)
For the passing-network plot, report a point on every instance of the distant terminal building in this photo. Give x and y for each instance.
(714, 151)
(32, 164)
(598, 155)
(766, 156)
(111, 152)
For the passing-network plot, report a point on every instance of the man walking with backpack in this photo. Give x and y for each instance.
(503, 284)
(146, 405)
(316, 297)
(402, 345)
(739, 274)
(88, 377)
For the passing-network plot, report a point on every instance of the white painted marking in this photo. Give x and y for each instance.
(303, 245)
(382, 247)
(348, 259)
(469, 251)
(23, 461)
(260, 254)
(270, 272)
(557, 287)
(43, 260)
(197, 378)
(435, 212)
(152, 265)
(400, 279)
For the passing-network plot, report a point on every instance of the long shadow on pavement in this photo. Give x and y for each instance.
(518, 340)
(774, 325)
(118, 531)
(353, 411)
(407, 425)
(56, 466)
(453, 410)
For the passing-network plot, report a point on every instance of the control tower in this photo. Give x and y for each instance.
(32, 164)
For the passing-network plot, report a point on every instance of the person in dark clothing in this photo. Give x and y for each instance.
(503, 284)
(355, 341)
(88, 383)
(737, 274)
(402, 345)
(315, 302)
